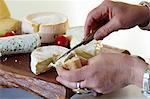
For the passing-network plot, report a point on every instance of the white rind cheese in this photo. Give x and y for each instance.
(47, 24)
(77, 35)
(43, 56)
(19, 44)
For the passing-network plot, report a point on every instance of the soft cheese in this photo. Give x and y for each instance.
(76, 35)
(43, 56)
(47, 24)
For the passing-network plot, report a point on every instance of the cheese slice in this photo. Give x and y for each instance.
(76, 35)
(8, 25)
(4, 12)
(43, 56)
(47, 24)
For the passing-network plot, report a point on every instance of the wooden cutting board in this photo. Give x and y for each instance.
(15, 72)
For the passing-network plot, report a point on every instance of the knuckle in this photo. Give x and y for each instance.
(68, 77)
(119, 22)
(90, 14)
(104, 31)
(108, 2)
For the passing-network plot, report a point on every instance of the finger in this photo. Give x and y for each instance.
(85, 84)
(83, 61)
(108, 28)
(98, 90)
(95, 14)
(66, 83)
(72, 75)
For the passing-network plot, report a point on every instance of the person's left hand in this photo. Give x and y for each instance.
(104, 73)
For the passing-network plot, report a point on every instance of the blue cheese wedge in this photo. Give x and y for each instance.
(43, 56)
(19, 44)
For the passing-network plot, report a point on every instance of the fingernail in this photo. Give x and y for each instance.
(96, 36)
(57, 79)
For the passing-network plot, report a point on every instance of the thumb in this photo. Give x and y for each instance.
(106, 29)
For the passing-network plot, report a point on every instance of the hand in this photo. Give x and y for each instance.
(105, 73)
(111, 16)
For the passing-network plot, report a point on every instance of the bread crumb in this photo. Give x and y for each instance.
(5, 59)
(16, 60)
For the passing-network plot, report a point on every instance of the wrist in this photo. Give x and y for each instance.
(138, 71)
(145, 22)
(146, 16)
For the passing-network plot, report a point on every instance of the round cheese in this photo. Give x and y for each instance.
(43, 56)
(47, 24)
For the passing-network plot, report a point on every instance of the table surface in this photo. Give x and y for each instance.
(129, 92)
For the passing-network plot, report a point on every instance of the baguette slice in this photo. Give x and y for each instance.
(75, 63)
(47, 24)
(71, 61)
(43, 56)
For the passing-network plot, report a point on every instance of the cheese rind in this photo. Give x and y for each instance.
(8, 25)
(43, 56)
(47, 24)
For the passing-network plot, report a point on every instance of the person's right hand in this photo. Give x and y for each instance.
(111, 16)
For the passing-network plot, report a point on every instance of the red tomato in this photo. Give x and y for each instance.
(12, 33)
(62, 41)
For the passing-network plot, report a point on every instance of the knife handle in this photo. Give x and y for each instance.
(89, 38)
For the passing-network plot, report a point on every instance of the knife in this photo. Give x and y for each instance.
(85, 41)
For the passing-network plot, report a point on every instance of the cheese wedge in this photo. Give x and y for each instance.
(8, 25)
(4, 12)
(76, 35)
(43, 56)
(47, 24)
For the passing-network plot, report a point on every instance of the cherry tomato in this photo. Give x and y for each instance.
(12, 33)
(62, 40)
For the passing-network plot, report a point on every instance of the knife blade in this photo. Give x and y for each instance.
(85, 41)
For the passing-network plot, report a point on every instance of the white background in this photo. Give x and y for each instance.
(135, 40)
